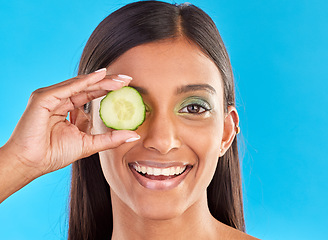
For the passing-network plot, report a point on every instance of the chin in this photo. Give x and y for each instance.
(157, 205)
(158, 211)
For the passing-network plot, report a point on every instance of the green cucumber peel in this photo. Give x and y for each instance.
(123, 109)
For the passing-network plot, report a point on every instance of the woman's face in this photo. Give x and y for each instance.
(183, 130)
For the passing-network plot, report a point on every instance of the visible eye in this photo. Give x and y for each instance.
(194, 109)
(195, 106)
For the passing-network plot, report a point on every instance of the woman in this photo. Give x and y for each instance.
(174, 56)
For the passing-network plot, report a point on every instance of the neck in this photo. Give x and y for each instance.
(195, 223)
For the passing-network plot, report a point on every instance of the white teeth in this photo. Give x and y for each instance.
(166, 171)
(172, 170)
(159, 171)
(150, 171)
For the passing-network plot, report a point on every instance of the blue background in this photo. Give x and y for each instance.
(279, 54)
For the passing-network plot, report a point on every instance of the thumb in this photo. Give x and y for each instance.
(100, 142)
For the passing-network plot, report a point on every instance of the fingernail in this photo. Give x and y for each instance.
(116, 80)
(125, 76)
(132, 139)
(101, 70)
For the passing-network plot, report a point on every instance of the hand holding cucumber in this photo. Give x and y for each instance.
(44, 140)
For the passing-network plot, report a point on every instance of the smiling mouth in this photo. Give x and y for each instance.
(160, 173)
(163, 178)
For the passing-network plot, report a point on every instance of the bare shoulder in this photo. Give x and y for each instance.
(236, 235)
(229, 233)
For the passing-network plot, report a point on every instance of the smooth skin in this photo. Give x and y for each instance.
(44, 140)
(163, 72)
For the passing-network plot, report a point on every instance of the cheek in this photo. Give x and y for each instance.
(116, 174)
(106, 161)
(205, 142)
(205, 139)
(113, 167)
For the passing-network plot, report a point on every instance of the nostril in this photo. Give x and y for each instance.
(152, 148)
(163, 149)
(161, 146)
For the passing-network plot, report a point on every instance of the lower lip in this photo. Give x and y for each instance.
(165, 184)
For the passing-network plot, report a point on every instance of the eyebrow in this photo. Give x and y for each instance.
(183, 89)
(196, 87)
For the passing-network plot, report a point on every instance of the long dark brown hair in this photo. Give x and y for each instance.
(132, 25)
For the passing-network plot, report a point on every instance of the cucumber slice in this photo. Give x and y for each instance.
(123, 109)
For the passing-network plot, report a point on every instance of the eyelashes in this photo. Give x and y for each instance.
(194, 109)
(192, 106)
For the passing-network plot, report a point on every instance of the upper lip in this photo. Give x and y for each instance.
(156, 164)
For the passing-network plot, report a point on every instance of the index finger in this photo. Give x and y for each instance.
(83, 89)
(78, 84)
(101, 88)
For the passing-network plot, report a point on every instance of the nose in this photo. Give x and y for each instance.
(161, 134)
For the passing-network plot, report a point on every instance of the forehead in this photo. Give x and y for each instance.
(168, 64)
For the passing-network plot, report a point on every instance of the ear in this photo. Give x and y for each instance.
(81, 119)
(231, 122)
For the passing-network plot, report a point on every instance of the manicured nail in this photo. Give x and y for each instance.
(132, 139)
(125, 76)
(101, 70)
(116, 80)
